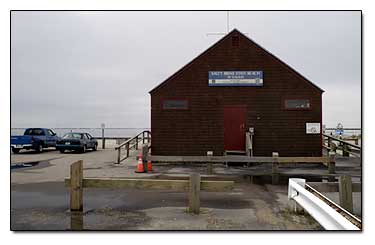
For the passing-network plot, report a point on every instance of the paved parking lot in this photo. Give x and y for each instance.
(40, 201)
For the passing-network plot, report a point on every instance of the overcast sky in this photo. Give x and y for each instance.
(79, 69)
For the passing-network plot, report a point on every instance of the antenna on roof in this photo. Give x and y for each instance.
(222, 33)
(227, 21)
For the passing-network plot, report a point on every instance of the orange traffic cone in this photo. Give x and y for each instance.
(140, 168)
(149, 166)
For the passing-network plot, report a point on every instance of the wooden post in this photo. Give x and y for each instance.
(331, 166)
(143, 137)
(76, 221)
(119, 155)
(127, 149)
(103, 140)
(226, 163)
(345, 150)
(275, 169)
(333, 147)
(346, 193)
(194, 190)
(136, 143)
(76, 186)
(144, 157)
(209, 164)
(331, 163)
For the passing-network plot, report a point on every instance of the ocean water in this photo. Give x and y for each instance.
(95, 132)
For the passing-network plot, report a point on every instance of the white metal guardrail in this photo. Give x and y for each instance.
(330, 216)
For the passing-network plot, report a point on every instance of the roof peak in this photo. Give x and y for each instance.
(235, 30)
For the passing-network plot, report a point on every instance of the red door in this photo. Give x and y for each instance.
(234, 128)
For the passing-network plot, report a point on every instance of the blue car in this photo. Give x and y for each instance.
(77, 142)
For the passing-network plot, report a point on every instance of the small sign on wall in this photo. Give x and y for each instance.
(312, 128)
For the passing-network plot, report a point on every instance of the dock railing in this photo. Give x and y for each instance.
(343, 144)
(144, 136)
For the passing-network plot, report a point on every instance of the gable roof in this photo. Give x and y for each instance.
(235, 32)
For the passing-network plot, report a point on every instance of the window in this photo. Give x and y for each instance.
(235, 41)
(34, 131)
(72, 135)
(51, 133)
(175, 104)
(298, 104)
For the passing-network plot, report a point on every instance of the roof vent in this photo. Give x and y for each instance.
(235, 41)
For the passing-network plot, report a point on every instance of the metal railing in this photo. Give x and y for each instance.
(132, 143)
(324, 211)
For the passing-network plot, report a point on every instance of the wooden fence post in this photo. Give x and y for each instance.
(136, 143)
(119, 155)
(144, 157)
(76, 221)
(346, 192)
(194, 190)
(275, 169)
(329, 143)
(76, 186)
(103, 139)
(331, 163)
(127, 149)
(345, 150)
(143, 137)
(209, 164)
(331, 166)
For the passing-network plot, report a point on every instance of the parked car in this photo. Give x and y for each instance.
(77, 142)
(34, 138)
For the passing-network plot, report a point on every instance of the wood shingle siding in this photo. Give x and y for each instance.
(200, 127)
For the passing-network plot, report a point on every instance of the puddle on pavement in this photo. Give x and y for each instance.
(29, 165)
(23, 165)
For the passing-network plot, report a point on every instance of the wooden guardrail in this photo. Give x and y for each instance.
(132, 142)
(194, 185)
(346, 147)
(275, 160)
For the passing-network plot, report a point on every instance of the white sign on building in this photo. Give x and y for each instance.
(312, 128)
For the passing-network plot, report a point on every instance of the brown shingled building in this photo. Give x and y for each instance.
(233, 87)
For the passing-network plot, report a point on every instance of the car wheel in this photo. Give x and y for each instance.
(62, 150)
(95, 147)
(39, 148)
(15, 151)
(84, 149)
